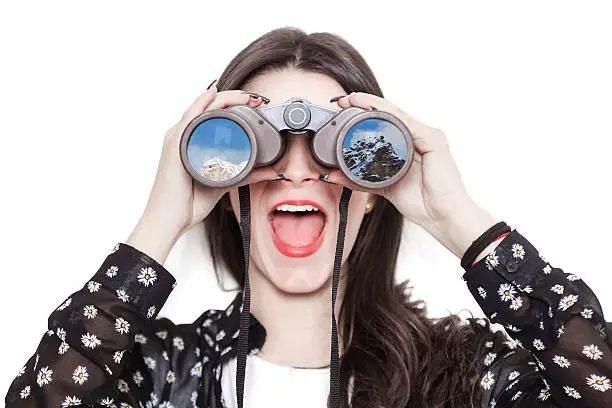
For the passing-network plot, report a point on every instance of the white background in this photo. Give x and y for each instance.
(87, 91)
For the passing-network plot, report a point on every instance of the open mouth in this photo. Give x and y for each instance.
(298, 227)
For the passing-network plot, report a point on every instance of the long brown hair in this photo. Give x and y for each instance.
(397, 356)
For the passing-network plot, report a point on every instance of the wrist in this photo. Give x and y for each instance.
(460, 229)
(154, 236)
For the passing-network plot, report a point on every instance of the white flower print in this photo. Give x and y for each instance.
(209, 340)
(123, 295)
(151, 311)
(538, 344)
(550, 312)
(560, 331)
(65, 304)
(599, 383)
(229, 310)
(513, 375)
(207, 323)
(194, 397)
(573, 277)
(491, 261)
(178, 343)
(567, 301)
(137, 377)
(21, 372)
(125, 405)
(115, 248)
(527, 289)
(489, 358)
(90, 340)
(121, 325)
(44, 376)
(488, 380)
(196, 370)
(25, 392)
(587, 313)
(107, 402)
(516, 303)
(557, 289)
(150, 362)
(162, 334)
(513, 328)
(80, 375)
(61, 333)
(170, 377)
(493, 403)
(518, 251)
(544, 394)
(93, 286)
(112, 271)
(147, 276)
(63, 347)
(547, 269)
(166, 404)
(517, 395)
(165, 355)
(562, 361)
(122, 385)
(140, 338)
(220, 335)
(482, 292)
(542, 257)
(489, 344)
(197, 351)
(117, 356)
(592, 352)
(154, 399)
(600, 328)
(108, 370)
(71, 401)
(493, 316)
(90, 311)
(506, 292)
(227, 350)
(571, 391)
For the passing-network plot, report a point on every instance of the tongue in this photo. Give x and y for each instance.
(297, 230)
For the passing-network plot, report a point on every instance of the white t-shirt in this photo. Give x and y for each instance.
(269, 385)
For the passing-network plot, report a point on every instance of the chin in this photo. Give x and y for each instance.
(299, 280)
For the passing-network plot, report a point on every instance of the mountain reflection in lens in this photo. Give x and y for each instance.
(219, 149)
(374, 150)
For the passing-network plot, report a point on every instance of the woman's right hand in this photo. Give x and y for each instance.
(176, 201)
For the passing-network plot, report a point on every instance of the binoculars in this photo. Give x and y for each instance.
(372, 148)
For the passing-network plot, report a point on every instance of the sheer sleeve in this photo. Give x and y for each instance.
(94, 335)
(559, 353)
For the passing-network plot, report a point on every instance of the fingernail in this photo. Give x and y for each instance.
(211, 84)
(336, 98)
(255, 96)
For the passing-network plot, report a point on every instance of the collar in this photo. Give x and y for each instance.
(220, 329)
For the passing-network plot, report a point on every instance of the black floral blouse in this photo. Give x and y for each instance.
(105, 346)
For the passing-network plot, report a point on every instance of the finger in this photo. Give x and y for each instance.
(233, 97)
(426, 138)
(200, 104)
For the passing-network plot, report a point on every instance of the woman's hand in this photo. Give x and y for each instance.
(176, 201)
(432, 193)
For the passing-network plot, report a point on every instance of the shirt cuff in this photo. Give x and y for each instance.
(135, 278)
(518, 288)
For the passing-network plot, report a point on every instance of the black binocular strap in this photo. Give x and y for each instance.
(243, 337)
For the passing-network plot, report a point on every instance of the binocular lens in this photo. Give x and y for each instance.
(219, 149)
(374, 150)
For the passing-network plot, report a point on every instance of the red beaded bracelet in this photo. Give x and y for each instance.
(496, 239)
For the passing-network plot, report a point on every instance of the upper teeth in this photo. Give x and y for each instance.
(296, 208)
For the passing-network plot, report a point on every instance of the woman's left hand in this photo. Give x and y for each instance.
(432, 193)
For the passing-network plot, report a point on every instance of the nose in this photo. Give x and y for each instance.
(297, 164)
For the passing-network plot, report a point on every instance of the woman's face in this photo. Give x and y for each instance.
(295, 251)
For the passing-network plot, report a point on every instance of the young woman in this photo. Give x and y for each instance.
(105, 347)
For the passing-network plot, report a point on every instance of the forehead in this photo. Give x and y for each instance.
(279, 86)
